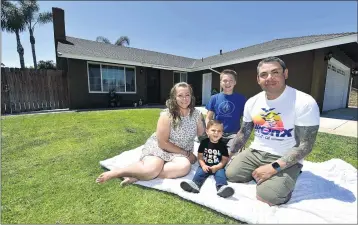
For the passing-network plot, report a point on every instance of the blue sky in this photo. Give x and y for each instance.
(191, 29)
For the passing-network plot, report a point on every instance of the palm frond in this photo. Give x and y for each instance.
(12, 18)
(45, 17)
(30, 10)
(103, 39)
(123, 40)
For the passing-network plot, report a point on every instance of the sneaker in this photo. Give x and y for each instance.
(225, 191)
(189, 186)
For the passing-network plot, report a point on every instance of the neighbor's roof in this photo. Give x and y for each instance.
(97, 51)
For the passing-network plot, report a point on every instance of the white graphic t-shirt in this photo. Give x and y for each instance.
(275, 120)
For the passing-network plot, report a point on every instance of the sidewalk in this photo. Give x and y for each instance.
(338, 127)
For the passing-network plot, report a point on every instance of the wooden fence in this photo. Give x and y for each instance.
(33, 90)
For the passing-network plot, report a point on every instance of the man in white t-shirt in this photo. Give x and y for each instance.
(285, 122)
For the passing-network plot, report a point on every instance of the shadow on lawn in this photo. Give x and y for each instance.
(310, 186)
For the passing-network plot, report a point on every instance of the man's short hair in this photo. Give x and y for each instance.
(271, 59)
(228, 72)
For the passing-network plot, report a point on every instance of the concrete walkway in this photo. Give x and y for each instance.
(341, 122)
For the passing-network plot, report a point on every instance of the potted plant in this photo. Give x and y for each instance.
(114, 98)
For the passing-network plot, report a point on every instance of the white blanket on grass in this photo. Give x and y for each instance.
(325, 193)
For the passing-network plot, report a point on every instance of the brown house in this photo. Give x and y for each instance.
(320, 65)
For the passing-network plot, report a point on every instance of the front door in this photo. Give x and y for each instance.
(153, 86)
(206, 90)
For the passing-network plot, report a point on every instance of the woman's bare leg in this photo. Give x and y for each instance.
(178, 167)
(128, 180)
(146, 169)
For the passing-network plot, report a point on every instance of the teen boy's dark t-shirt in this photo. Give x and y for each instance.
(228, 109)
(212, 152)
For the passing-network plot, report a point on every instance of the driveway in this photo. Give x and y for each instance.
(340, 121)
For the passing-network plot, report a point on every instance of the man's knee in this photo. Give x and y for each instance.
(236, 175)
(271, 196)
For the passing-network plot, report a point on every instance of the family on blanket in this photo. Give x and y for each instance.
(285, 122)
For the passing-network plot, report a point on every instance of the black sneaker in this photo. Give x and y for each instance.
(225, 191)
(189, 186)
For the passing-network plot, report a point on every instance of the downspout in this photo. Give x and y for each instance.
(217, 73)
(214, 70)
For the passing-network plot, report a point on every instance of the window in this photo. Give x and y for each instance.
(104, 77)
(180, 77)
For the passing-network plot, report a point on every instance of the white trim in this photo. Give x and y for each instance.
(111, 64)
(122, 62)
(339, 64)
(180, 73)
(100, 67)
(205, 88)
(334, 62)
(307, 47)
(317, 45)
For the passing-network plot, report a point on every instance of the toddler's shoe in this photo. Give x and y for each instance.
(225, 191)
(189, 186)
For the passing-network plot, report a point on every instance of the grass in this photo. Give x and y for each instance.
(50, 162)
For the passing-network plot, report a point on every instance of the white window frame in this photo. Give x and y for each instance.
(125, 77)
(180, 73)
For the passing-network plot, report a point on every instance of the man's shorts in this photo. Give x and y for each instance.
(276, 190)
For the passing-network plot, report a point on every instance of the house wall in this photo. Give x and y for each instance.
(80, 97)
(307, 72)
(196, 80)
(166, 83)
(339, 55)
(299, 66)
(319, 73)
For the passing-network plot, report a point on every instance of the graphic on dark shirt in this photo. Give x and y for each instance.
(212, 152)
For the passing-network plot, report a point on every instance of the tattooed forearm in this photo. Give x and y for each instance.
(241, 137)
(203, 123)
(305, 139)
(202, 136)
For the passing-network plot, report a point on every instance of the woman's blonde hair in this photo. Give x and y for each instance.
(173, 106)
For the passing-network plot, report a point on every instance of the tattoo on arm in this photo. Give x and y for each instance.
(203, 135)
(305, 139)
(203, 122)
(241, 137)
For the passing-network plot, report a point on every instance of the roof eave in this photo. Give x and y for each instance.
(307, 47)
(120, 62)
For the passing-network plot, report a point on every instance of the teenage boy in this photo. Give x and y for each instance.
(227, 106)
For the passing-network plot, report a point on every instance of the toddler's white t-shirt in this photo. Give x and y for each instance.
(275, 120)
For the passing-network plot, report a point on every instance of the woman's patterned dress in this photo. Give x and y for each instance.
(183, 136)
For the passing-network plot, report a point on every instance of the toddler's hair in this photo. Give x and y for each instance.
(213, 122)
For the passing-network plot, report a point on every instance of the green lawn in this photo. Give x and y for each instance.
(49, 164)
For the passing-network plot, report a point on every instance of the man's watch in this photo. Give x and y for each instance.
(276, 166)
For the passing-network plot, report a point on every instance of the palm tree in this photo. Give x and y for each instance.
(32, 17)
(12, 21)
(122, 41)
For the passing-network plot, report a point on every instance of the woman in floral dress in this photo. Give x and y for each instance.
(168, 153)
